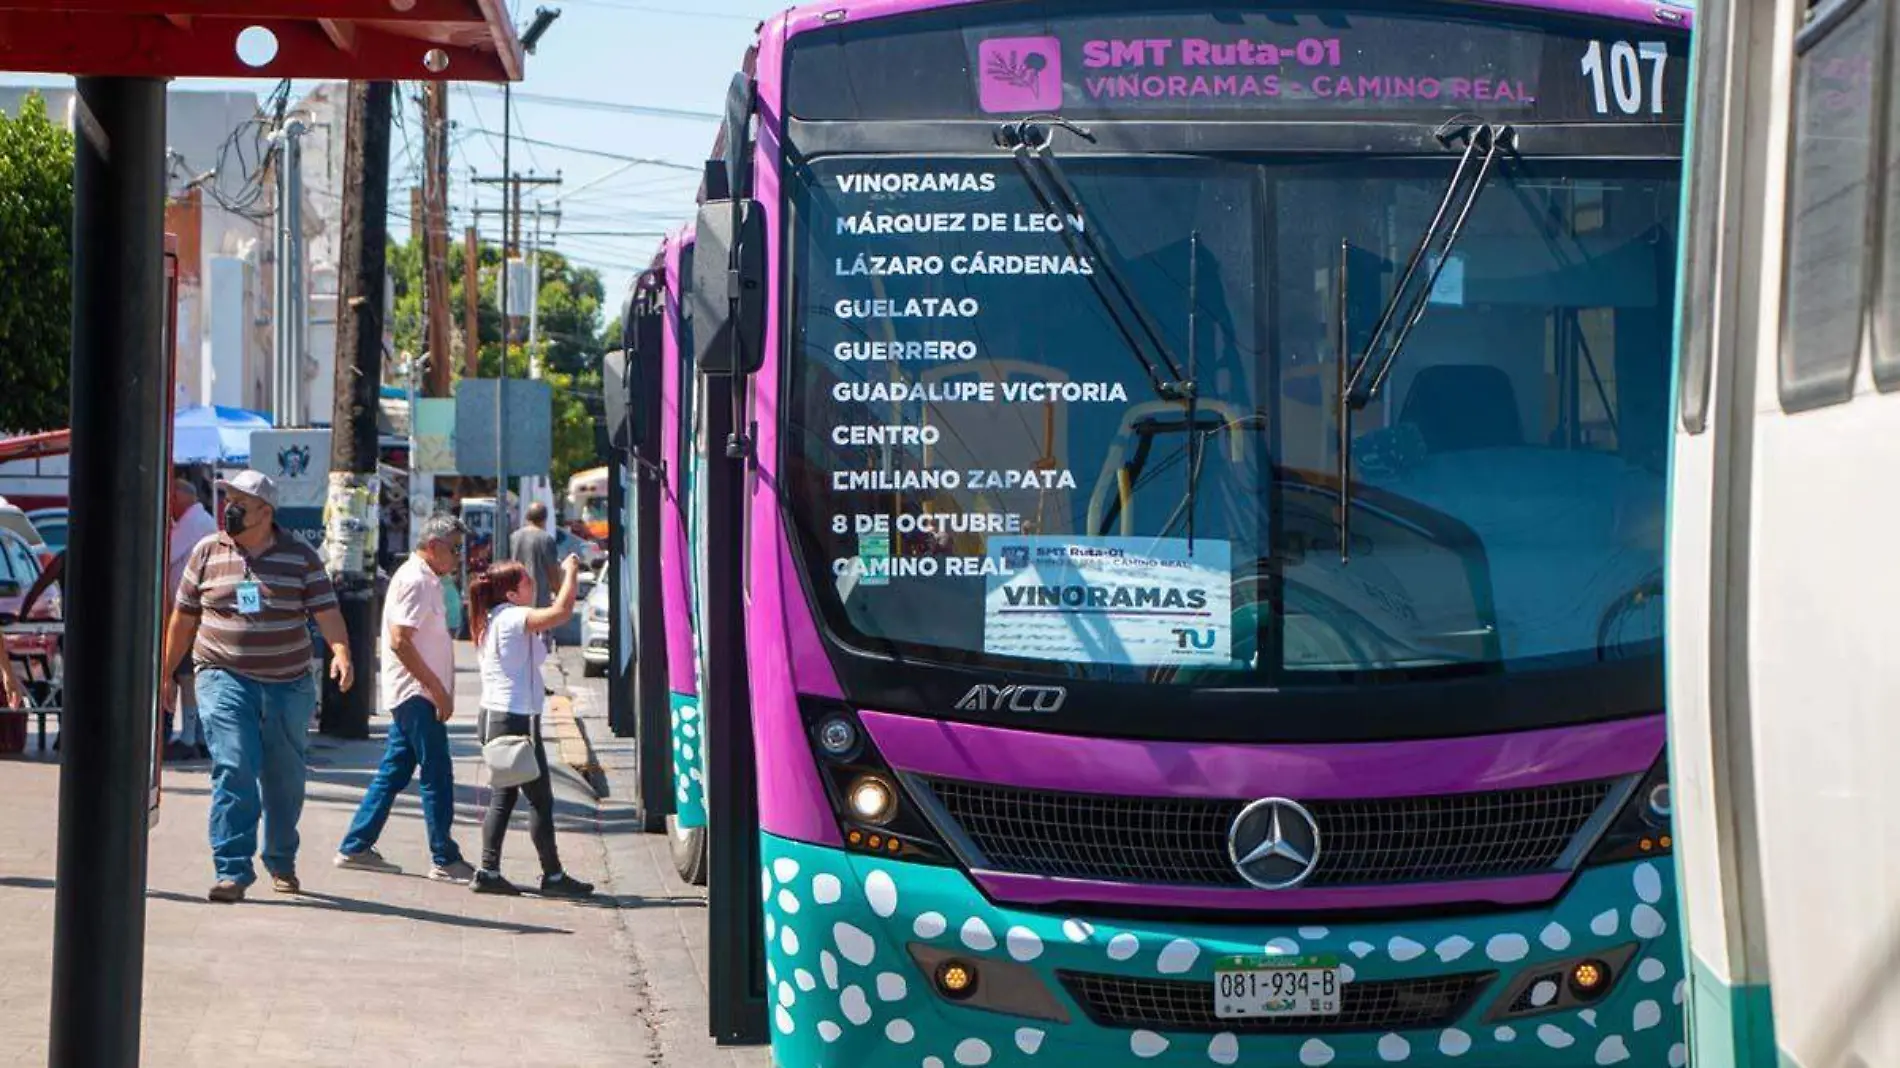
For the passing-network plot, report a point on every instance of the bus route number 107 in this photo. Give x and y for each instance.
(1616, 71)
(1276, 986)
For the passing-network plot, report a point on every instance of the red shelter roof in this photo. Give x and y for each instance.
(375, 40)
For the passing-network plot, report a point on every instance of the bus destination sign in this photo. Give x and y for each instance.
(1283, 65)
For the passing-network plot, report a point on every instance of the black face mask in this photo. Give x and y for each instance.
(234, 519)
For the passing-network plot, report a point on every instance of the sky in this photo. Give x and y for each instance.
(671, 55)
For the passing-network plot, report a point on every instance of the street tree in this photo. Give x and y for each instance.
(36, 247)
(571, 345)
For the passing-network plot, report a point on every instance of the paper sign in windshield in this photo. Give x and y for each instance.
(1110, 600)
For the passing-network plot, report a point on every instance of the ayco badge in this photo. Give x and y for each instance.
(985, 698)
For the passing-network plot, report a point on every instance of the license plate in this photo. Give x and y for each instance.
(1247, 987)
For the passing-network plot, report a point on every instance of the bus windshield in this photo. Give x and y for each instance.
(984, 472)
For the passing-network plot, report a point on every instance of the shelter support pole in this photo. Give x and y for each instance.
(121, 398)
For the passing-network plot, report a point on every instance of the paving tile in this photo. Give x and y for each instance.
(373, 969)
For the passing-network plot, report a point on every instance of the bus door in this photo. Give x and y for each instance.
(637, 683)
(726, 307)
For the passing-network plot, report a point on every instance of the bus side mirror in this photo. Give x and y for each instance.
(619, 379)
(728, 292)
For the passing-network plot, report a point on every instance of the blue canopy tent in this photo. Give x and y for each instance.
(212, 434)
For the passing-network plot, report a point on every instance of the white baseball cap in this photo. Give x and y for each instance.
(253, 483)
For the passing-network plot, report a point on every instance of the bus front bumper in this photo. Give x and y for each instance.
(855, 943)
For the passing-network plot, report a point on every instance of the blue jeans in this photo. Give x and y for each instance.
(416, 736)
(256, 731)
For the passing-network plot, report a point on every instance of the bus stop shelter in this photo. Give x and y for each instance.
(122, 52)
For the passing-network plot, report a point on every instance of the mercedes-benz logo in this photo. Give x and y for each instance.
(1274, 843)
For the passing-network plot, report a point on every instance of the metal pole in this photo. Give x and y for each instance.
(118, 471)
(534, 301)
(298, 309)
(500, 544)
(280, 292)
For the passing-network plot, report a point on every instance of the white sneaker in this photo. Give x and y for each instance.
(459, 872)
(367, 860)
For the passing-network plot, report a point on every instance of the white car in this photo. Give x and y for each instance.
(596, 645)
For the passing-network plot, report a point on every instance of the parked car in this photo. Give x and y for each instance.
(15, 521)
(19, 569)
(51, 523)
(596, 645)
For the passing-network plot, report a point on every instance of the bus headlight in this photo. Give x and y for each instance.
(1642, 828)
(875, 810)
(872, 799)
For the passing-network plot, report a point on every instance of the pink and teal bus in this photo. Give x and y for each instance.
(1172, 537)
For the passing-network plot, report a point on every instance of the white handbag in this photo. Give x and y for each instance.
(510, 760)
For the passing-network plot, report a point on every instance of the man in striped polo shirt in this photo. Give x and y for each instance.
(242, 606)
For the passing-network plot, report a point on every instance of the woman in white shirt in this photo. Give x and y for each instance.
(507, 629)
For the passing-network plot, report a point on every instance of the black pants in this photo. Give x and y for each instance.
(501, 803)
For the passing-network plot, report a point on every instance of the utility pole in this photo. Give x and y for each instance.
(471, 305)
(510, 213)
(543, 18)
(435, 213)
(288, 308)
(351, 512)
(534, 274)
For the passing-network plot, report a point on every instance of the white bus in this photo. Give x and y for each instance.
(1784, 565)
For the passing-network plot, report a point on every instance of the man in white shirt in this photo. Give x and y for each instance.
(418, 691)
(191, 524)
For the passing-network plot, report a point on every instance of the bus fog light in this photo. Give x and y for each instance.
(1559, 985)
(1589, 979)
(837, 736)
(873, 800)
(956, 979)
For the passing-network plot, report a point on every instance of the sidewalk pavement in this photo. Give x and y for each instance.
(373, 969)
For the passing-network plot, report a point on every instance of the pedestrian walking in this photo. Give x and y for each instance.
(506, 627)
(191, 524)
(417, 683)
(242, 608)
(533, 548)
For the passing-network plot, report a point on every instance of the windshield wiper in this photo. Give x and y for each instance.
(1479, 137)
(1029, 140)
(1361, 385)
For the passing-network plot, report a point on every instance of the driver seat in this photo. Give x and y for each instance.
(1463, 406)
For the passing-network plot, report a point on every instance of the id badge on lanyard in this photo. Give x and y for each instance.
(250, 595)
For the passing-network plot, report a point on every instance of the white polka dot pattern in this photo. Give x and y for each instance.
(972, 1052)
(976, 934)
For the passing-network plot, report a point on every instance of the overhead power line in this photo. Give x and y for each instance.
(604, 105)
(597, 153)
(650, 9)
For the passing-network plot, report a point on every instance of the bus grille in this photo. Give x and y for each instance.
(1129, 1002)
(1183, 841)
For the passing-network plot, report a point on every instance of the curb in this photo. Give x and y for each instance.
(571, 739)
